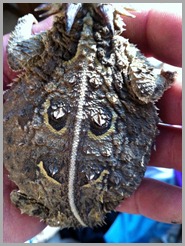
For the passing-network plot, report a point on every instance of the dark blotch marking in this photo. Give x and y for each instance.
(25, 115)
(101, 129)
(57, 123)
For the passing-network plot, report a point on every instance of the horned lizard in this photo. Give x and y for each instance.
(80, 121)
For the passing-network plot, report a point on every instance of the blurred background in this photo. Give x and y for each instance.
(12, 11)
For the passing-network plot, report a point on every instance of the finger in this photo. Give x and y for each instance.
(8, 74)
(156, 200)
(14, 229)
(168, 149)
(43, 25)
(170, 105)
(157, 34)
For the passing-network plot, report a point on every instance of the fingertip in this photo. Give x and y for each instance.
(44, 25)
(170, 104)
(156, 200)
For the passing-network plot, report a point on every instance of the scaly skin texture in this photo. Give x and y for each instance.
(80, 121)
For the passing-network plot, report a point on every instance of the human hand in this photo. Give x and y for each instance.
(151, 193)
(160, 35)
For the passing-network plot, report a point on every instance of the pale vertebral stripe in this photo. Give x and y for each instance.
(76, 139)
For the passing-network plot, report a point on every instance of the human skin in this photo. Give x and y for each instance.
(152, 32)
